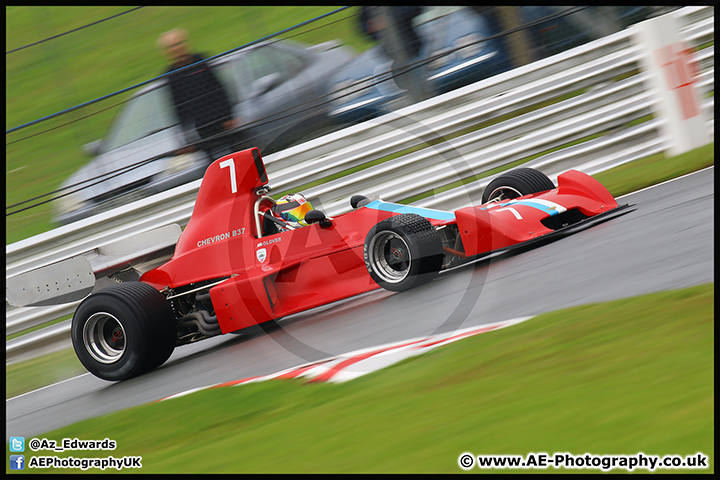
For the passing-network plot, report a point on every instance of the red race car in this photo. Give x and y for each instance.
(245, 259)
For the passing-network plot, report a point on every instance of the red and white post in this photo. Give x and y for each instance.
(672, 76)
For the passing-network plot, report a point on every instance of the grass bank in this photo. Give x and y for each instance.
(628, 376)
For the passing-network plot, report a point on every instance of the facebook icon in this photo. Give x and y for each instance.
(17, 462)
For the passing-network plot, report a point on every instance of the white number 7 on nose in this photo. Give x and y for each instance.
(233, 182)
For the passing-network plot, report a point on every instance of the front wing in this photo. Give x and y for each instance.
(556, 234)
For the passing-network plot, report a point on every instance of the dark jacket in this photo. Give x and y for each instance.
(199, 97)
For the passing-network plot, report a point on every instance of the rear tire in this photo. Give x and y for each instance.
(123, 331)
(516, 183)
(403, 252)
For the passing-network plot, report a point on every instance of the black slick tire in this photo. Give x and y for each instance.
(123, 331)
(403, 252)
(516, 183)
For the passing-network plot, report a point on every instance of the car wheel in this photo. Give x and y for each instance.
(516, 183)
(123, 331)
(403, 252)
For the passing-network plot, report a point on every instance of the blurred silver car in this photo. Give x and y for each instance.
(367, 87)
(277, 91)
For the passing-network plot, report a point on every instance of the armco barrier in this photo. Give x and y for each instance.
(604, 107)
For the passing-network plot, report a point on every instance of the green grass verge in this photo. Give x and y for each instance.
(655, 169)
(26, 376)
(29, 375)
(628, 376)
(41, 371)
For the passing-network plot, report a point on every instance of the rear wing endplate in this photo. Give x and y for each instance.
(74, 278)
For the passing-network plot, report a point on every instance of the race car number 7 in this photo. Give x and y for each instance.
(233, 182)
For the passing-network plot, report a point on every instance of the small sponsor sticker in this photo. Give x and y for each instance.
(265, 243)
(261, 255)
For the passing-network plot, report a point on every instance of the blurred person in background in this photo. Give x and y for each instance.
(200, 100)
(393, 28)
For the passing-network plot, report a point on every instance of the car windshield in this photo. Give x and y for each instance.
(143, 115)
(269, 59)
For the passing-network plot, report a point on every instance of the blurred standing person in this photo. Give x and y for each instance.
(393, 28)
(199, 98)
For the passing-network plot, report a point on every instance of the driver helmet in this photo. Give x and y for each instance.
(292, 208)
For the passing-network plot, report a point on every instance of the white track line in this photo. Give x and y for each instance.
(46, 386)
(666, 181)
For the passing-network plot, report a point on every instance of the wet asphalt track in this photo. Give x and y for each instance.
(666, 243)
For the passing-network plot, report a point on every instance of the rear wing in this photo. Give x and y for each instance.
(76, 277)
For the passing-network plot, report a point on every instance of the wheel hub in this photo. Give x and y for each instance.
(104, 337)
(504, 193)
(389, 256)
(117, 335)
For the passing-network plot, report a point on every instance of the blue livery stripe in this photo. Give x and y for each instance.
(539, 206)
(400, 209)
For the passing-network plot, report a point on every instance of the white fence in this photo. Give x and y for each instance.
(596, 115)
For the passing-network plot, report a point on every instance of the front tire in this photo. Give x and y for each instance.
(123, 331)
(403, 252)
(516, 183)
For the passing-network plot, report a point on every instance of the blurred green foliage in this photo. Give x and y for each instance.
(101, 59)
